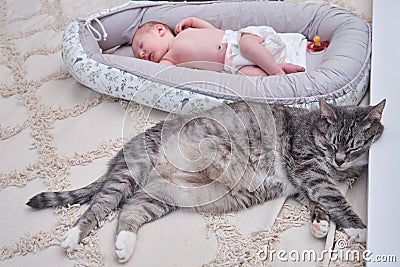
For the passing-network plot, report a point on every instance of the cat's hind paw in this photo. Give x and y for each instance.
(320, 228)
(124, 245)
(357, 234)
(71, 239)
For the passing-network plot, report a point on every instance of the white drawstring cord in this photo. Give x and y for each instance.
(93, 31)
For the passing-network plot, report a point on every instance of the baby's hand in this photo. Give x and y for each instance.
(184, 24)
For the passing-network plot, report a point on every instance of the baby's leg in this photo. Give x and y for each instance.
(252, 48)
(291, 68)
(252, 71)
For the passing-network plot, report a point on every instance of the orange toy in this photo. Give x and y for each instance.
(317, 45)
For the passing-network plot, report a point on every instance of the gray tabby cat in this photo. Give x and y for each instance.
(226, 159)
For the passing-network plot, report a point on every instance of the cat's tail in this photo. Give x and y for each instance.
(63, 198)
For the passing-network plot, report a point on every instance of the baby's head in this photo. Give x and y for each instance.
(151, 41)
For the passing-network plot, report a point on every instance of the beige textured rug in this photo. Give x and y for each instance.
(55, 134)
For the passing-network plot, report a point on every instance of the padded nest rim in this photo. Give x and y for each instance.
(136, 80)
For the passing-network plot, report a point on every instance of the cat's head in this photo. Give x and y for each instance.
(347, 133)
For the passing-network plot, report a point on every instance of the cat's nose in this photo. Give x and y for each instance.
(339, 162)
(339, 159)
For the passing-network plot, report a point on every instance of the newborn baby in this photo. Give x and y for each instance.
(253, 51)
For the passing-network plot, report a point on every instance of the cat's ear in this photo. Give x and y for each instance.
(375, 114)
(326, 111)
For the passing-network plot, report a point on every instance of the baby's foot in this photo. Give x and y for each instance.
(124, 245)
(279, 72)
(291, 68)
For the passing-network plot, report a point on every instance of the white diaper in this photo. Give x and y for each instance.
(284, 47)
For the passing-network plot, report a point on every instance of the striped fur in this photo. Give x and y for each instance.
(232, 157)
(78, 196)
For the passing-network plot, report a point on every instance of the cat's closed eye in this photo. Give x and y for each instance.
(351, 149)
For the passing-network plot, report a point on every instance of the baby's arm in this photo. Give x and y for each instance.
(192, 22)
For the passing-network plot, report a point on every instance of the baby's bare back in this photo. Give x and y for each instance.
(193, 45)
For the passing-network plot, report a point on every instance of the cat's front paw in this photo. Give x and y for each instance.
(124, 245)
(320, 228)
(71, 239)
(357, 234)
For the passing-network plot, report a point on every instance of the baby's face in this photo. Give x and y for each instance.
(149, 45)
